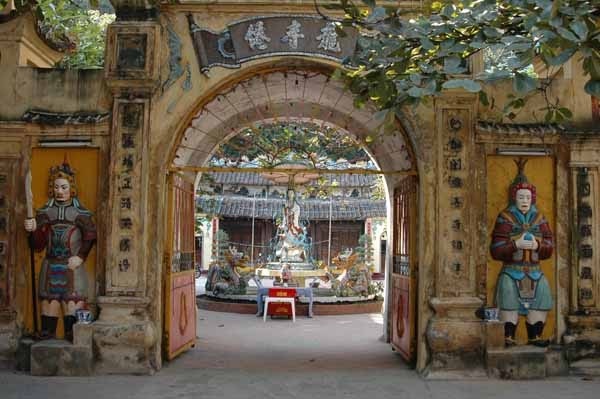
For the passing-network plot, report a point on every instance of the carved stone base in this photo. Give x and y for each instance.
(124, 337)
(517, 363)
(59, 357)
(9, 337)
(583, 339)
(454, 335)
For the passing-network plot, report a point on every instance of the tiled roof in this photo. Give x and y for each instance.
(256, 179)
(516, 128)
(311, 209)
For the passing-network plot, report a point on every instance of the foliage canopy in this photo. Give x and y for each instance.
(403, 59)
(270, 145)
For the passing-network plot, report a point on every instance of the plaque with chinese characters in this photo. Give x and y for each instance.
(272, 35)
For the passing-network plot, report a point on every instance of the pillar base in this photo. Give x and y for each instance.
(455, 335)
(124, 336)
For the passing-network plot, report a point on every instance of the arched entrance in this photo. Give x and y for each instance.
(302, 94)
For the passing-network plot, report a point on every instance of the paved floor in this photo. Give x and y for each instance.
(239, 356)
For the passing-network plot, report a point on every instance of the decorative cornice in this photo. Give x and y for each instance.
(521, 128)
(64, 118)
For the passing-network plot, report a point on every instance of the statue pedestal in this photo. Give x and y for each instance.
(298, 275)
(293, 265)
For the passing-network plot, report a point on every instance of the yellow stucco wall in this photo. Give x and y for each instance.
(540, 171)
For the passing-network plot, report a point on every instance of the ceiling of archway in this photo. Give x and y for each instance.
(287, 96)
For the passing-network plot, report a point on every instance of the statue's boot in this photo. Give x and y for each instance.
(531, 335)
(69, 321)
(509, 334)
(536, 335)
(48, 327)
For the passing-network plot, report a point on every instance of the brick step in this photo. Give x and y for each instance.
(585, 367)
(63, 358)
(59, 357)
(517, 363)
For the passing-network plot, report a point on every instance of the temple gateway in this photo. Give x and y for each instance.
(492, 256)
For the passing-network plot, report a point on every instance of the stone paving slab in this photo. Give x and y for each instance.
(240, 357)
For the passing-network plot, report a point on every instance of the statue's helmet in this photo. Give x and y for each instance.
(520, 182)
(62, 171)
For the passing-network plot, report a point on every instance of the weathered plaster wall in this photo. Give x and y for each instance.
(22, 46)
(54, 90)
(565, 88)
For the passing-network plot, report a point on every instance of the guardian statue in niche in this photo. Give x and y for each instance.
(66, 230)
(521, 239)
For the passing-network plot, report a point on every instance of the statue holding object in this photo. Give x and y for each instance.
(293, 243)
(521, 239)
(65, 229)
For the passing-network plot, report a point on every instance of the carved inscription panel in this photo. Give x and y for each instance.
(455, 185)
(126, 260)
(7, 242)
(586, 183)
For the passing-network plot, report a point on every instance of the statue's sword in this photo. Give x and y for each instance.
(29, 202)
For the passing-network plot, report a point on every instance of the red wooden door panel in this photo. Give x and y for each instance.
(180, 289)
(403, 279)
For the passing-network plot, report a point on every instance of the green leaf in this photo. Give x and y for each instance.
(591, 65)
(519, 46)
(580, 29)
(592, 87)
(559, 59)
(565, 112)
(567, 34)
(416, 92)
(426, 43)
(483, 99)
(467, 84)
(452, 65)
(492, 32)
(448, 10)
(523, 83)
(415, 78)
(376, 15)
(380, 116)
(430, 87)
(477, 44)
(556, 22)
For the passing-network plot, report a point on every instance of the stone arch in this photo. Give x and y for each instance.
(288, 95)
(284, 89)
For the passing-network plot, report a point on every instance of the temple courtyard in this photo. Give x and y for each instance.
(239, 356)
